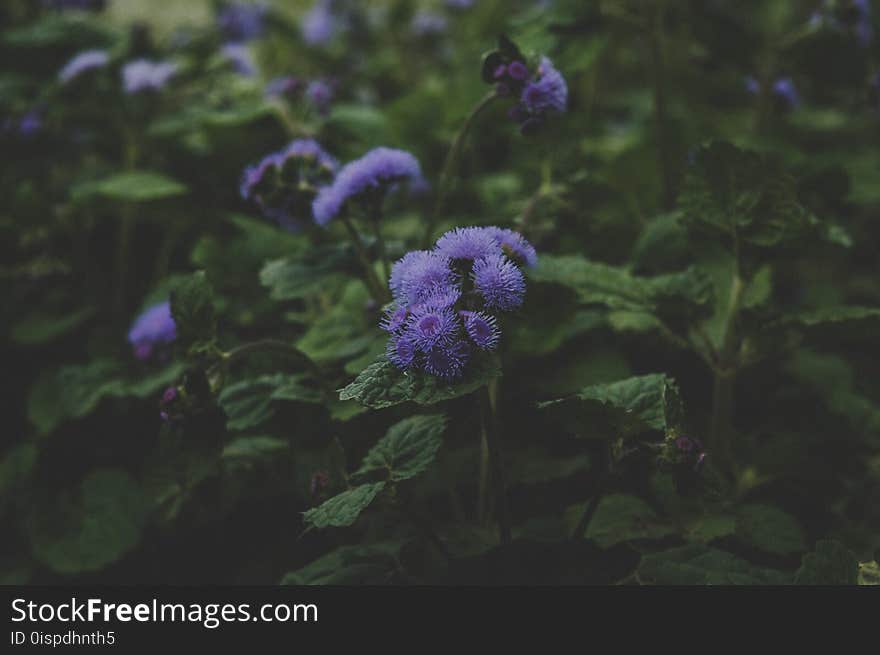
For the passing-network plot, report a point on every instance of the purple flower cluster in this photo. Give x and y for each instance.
(241, 22)
(144, 75)
(82, 63)
(371, 175)
(283, 184)
(151, 330)
(320, 93)
(446, 299)
(541, 93)
(783, 89)
(850, 16)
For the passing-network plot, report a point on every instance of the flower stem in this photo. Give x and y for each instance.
(380, 244)
(378, 290)
(492, 461)
(449, 165)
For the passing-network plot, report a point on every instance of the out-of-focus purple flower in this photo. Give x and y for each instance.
(319, 93)
(482, 328)
(320, 24)
(284, 183)
(242, 22)
(539, 94)
(241, 58)
(152, 329)
(785, 89)
(428, 23)
(83, 62)
(500, 282)
(144, 75)
(285, 86)
(849, 16)
(376, 171)
(459, 4)
(547, 92)
(31, 123)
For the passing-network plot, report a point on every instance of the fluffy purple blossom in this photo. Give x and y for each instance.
(468, 243)
(81, 63)
(538, 94)
(152, 329)
(500, 282)
(320, 93)
(241, 58)
(376, 171)
(441, 314)
(242, 22)
(31, 123)
(320, 24)
(144, 75)
(482, 328)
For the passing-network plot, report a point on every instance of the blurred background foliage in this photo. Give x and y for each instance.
(706, 216)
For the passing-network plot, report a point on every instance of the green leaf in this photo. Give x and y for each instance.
(407, 449)
(248, 403)
(343, 509)
(742, 197)
(38, 328)
(620, 518)
(92, 528)
(53, 30)
(382, 384)
(192, 307)
(131, 186)
(770, 529)
(254, 447)
(310, 271)
(696, 564)
(75, 391)
(623, 408)
(831, 563)
(15, 469)
(869, 574)
(707, 528)
(350, 565)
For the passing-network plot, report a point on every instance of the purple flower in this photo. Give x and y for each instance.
(241, 59)
(515, 246)
(447, 361)
(419, 275)
(547, 92)
(429, 326)
(305, 165)
(83, 62)
(283, 86)
(428, 23)
(242, 22)
(468, 243)
(500, 282)
(518, 71)
(482, 329)
(401, 351)
(320, 93)
(31, 123)
(319, 25)
(376, 171)
(394, 318)
(538, 95)
(144, 75)
(154, 327)
(784, 89)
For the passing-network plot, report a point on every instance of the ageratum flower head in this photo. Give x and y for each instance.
(151, 330)
(242, 22)
(81, 63)
(284, 183)
(544, 95)
(372, 175)
(144, 75)
(447, 300)
(240, 58)
(320, 24)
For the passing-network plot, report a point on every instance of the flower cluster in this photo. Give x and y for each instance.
(370, 176)
(144, 75)
(82, 63)
(153, 329)
(446, 300)
(540, 91)
(850, 16)
(783, 90)
(242, 22)
(284, 183)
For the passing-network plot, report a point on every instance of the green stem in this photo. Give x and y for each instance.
(449, 165)
(378, 290)
(493, 449)
(380, 244)
(592, 504)
(657, 74)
